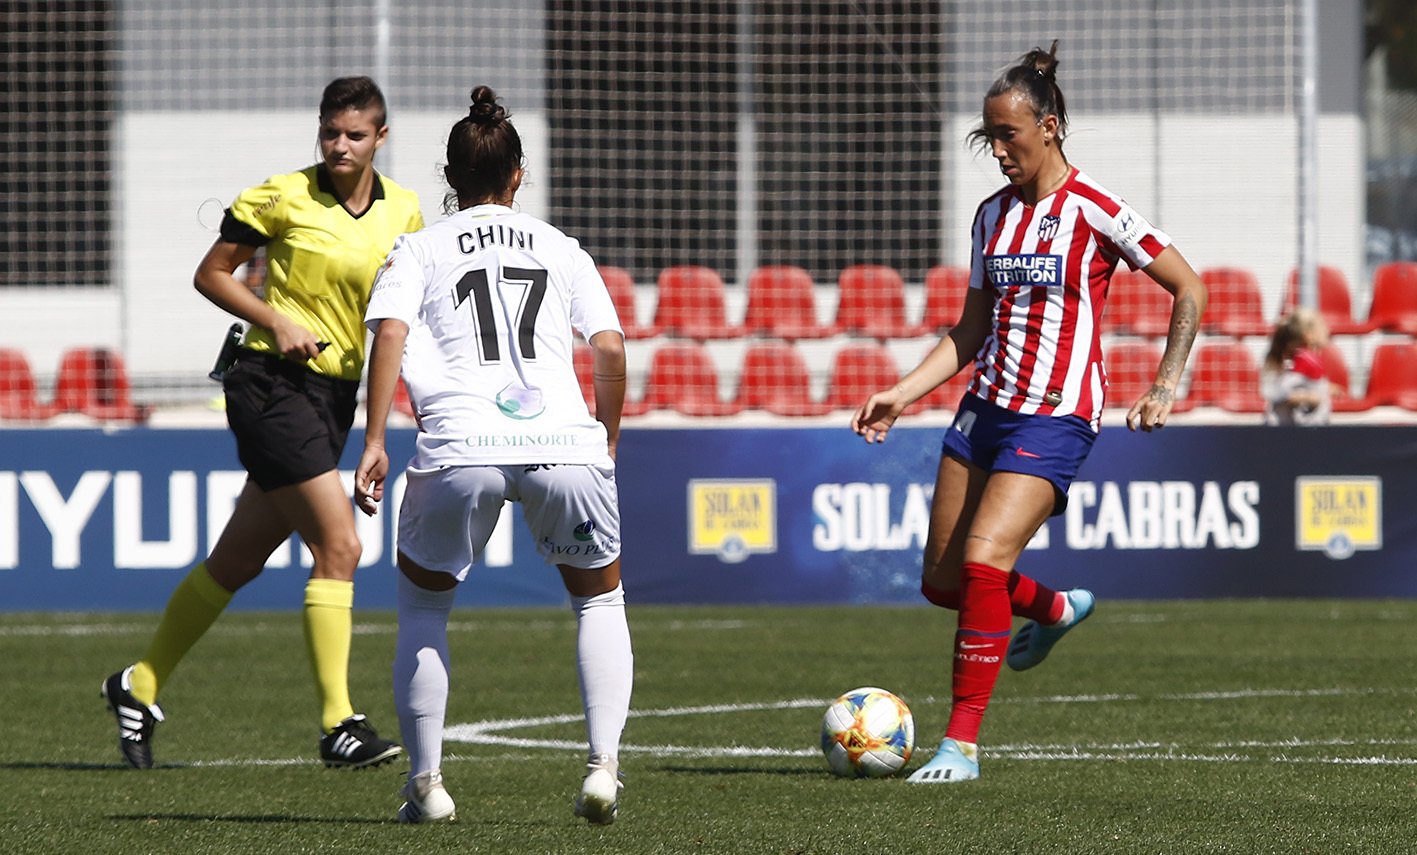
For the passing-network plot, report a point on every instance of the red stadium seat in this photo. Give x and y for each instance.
(683, 377)
(775, 380)
(1392, 380)
(1136, 305)
(583, 358)
(871, 303)
(1394, 306)
(94, 381)
(782, 302)
(1235, 307)
(1335, 302)
(692, 304)
(1131, 370)
(859, 371)
(622, 291)
(945, 290)
(947, 395)
(19, 398)
(1224, 375)
(1336, 370)
(402, 402)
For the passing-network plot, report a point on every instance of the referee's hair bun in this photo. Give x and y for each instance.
(485, 110)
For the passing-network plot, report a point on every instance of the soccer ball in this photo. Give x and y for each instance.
(867, 733)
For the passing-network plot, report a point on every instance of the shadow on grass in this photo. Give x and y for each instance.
(245, 819)
(284, 819)
(66, 767)
(796, 771)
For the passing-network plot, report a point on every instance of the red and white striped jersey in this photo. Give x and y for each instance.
(1049, 266)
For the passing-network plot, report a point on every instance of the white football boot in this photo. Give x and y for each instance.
(427, 800)
(599, 801)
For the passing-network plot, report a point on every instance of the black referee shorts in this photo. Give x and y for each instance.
(290, 422)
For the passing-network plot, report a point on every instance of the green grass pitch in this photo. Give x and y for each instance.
(1157, 727)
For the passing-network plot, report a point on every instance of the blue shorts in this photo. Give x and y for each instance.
(999, 440)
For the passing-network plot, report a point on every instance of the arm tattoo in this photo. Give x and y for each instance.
(1185, 323)
(1162, 395)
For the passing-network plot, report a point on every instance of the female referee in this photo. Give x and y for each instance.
(1044, 249)
(478, 310)
(290, 401)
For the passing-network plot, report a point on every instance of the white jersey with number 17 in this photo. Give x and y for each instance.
(490, 297)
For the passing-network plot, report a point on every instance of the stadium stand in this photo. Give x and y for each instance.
(782, 302)
(1392, 379)
(583, 359)
(1131, 369)
(1335, 301)
(1235, 307)
(1136, 305)
(19, 396)
(775, 380)
(1336, 369)
(871, 303)
(945, 290)
(683, 377)
(945, 396)
(691, 304)
(1394, 305)
(858, 371)
(94, 381)
(1224, 375)
(622, 291)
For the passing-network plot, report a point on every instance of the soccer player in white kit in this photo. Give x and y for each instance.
(1044, 249)
(478, 311)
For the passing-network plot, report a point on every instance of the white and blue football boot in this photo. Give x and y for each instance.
(1030, 645)
(954, 761)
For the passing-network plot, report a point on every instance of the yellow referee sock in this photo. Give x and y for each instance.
(191, 610)
(329, 623)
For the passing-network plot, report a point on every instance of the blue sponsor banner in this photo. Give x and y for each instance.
(113, 520)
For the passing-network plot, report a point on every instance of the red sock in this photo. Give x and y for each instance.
(980, 643)
(1034, 601)
(940, 597)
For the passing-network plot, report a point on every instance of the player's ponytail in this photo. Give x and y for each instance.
(484, 154)
(1035, 74)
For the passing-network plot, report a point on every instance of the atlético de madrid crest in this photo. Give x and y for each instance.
(1048, 227)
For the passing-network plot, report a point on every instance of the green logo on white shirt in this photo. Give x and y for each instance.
(519, 402)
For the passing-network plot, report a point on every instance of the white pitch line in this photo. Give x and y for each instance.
(488, 732)
(1017, 752)
(492, 733)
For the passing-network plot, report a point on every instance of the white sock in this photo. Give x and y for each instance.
(606, 664)
(421, 672)
(1068, 613)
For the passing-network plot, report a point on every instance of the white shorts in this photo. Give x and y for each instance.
(572, 509)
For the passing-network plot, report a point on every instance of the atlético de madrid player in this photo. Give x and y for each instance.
(1044, 250)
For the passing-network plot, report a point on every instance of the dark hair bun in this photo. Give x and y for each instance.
(485, 110)
(1045, 63)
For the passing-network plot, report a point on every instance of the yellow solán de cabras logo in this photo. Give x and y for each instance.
(732, 518)
(1338, 515)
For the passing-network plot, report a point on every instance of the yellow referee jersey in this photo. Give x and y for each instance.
(321, 259)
